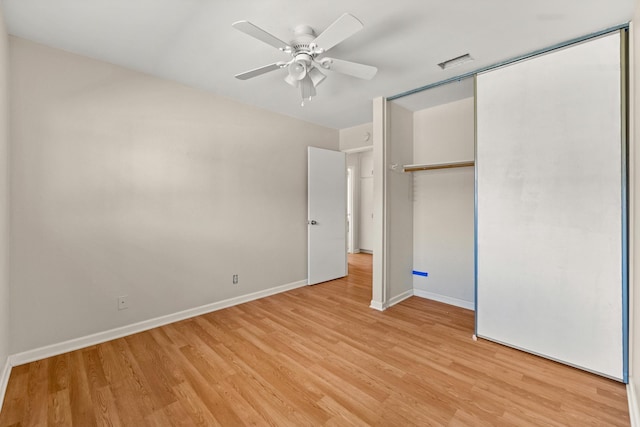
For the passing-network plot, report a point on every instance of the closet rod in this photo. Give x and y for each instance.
(414, 168)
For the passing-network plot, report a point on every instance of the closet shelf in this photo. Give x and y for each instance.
(414, 168)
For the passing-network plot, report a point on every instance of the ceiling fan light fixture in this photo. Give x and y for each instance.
(290, 80)
(454, 62)
(297, 70)
(316, 76)
(307, 90)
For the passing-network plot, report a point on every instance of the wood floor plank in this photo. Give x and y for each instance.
(59, 408)
(80, 392)
(142, 347)
(36, 400)
(105, 409)
(13, 410)
(176, 415)
(58, 368)
(94, 368)
(341, 415)
(194, 407)
(316, 355)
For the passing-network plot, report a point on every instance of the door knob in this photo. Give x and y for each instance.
(313, 222)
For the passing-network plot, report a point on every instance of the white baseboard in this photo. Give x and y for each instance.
(399, 298)
(445, 299)
(634, 410)
(4, 380)
(380, 306)
(377, 305)
(366, 251)
(100, 337)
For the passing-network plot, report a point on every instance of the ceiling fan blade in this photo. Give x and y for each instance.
(258, 71)
(354, 69)
(260, 34)
(342, 28)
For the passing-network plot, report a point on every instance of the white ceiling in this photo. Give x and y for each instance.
(438, 95)
(192, 41)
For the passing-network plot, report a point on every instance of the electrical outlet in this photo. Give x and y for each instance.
(235, 279)
(123, 302)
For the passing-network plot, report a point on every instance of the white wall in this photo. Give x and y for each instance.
(400, 205)
(4, 201)
(353, 165)
(380, 247)
(443, 209)
(356, 137)
(365, 219)
(125, 184)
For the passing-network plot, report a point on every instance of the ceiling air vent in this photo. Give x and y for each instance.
(454, 62)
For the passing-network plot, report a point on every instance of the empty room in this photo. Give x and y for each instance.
(335, 213)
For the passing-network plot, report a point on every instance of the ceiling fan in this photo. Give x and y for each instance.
(307, 50)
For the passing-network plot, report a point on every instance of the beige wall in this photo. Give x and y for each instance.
(400, 203)
(125, 184)
(443, 208)
(445, 133)
(4, 201)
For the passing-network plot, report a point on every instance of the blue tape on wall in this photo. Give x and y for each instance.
(420, 273)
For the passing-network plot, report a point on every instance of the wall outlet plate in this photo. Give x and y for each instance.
(123, 302)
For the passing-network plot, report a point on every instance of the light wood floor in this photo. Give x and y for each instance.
(313, 356)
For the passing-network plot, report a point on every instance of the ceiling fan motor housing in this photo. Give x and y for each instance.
(303, 36)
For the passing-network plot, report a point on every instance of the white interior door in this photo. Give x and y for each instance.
(327, 221)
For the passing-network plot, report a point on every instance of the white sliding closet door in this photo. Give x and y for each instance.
(551, 208)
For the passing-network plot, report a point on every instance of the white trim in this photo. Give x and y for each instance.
(358, 149)
(377, 305)
(634, 411)
(366, 251)
(100, 337)
(399, 298)
(380, 245)
(469, 305)
(4, 380)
